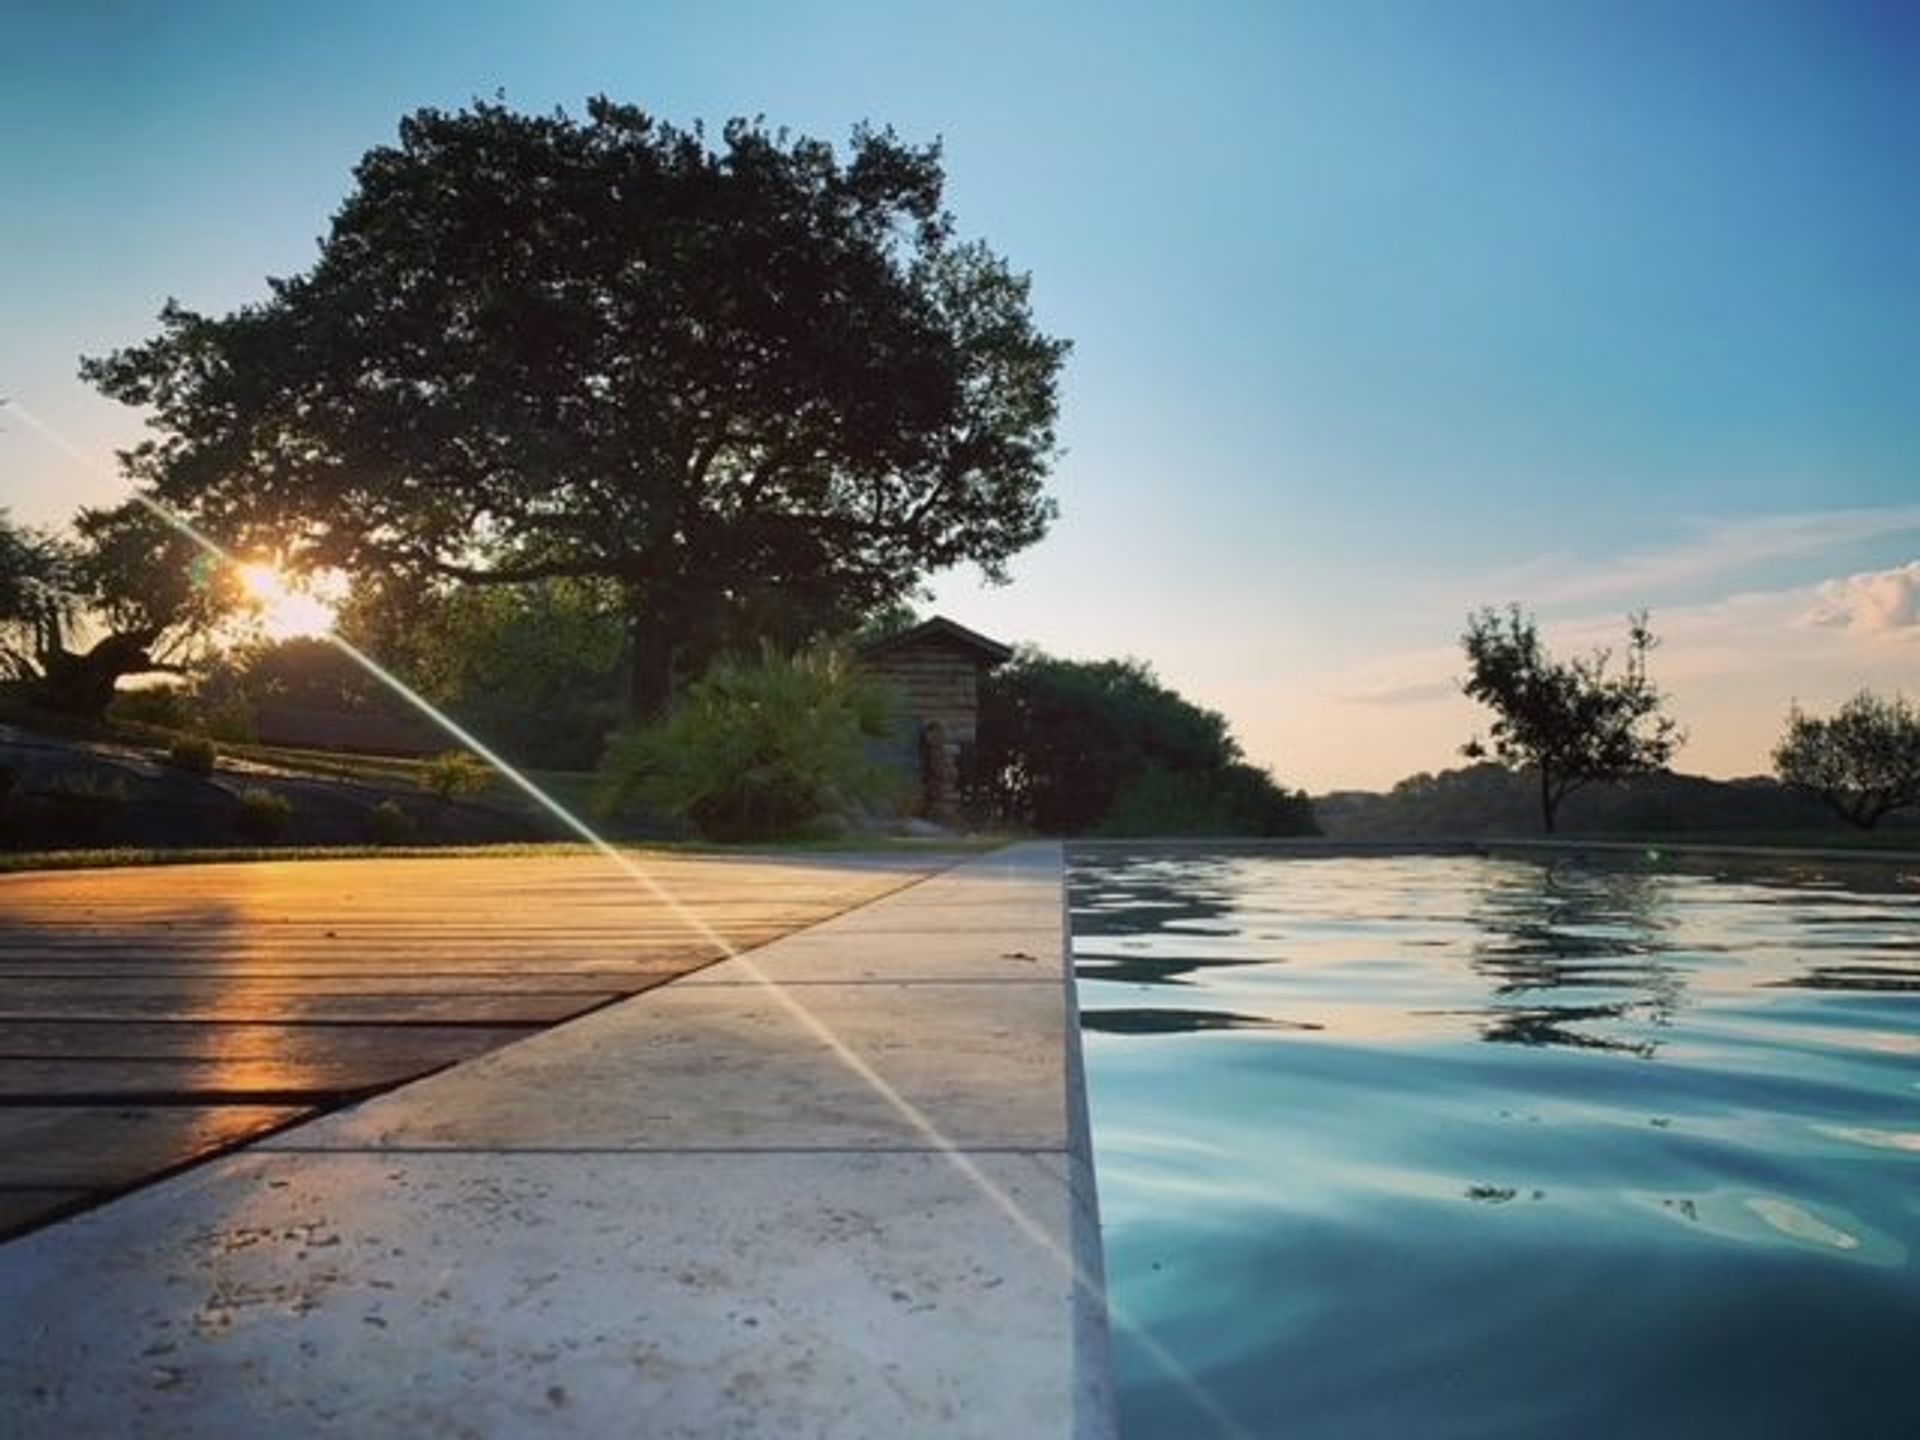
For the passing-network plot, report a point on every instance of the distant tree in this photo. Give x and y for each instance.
(142, 598)
(754, 387)
(1863, 762)
(1569, 721)
(1070, 747)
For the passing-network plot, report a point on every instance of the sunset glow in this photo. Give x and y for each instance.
(287, 609)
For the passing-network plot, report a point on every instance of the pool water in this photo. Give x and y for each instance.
(1430, 1147)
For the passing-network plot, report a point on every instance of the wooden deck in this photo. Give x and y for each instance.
(150, 1018)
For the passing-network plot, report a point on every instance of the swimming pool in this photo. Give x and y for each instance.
(1455, 1146)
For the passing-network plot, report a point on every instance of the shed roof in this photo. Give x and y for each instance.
(939, 631)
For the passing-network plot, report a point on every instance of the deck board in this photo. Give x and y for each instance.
(150, 1018)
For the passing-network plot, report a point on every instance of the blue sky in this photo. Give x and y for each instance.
(1381, 311)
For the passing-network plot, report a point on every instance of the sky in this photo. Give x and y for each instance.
(1381, 312)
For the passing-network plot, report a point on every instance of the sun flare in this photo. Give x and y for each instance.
(285, 610)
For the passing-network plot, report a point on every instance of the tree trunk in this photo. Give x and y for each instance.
(1548, 802)
(83, 684)
(650, 663)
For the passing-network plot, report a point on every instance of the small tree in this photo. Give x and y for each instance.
(1570, 720)
(1863, 763)
(144, 598)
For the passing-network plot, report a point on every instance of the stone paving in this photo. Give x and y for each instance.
(854, 1201)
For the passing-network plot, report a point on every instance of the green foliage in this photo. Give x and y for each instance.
(264, 815)
(455, 775)
(1863, 762)
(758, 385)
(166, 707)
(1069, 747)
(389, 824)
(1569, 721)
(1238, 799)
(193, 752)
(537, 670)
(761, 749)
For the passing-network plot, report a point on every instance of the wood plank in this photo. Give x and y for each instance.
(226, 1042)
(320, 1079)
(81, 1147)
(517, 1008)
(17, 991)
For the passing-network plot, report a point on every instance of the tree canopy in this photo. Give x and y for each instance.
(1570, 721)
(1863, 762)
(755, 385)
(1073, 746)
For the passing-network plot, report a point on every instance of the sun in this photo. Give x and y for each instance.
(284, 610)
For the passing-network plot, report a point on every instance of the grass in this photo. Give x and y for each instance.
(128, 857)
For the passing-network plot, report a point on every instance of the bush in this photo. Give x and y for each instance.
(167, 707)
(760, 749)
(455, 774)
(192, 752)
(263, 816)
(388, 824)
(1069, 747)
(1238, 799)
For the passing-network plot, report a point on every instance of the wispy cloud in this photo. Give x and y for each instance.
(1878, 602)
(1723, 548)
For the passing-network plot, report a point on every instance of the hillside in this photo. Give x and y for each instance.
(1482, 800)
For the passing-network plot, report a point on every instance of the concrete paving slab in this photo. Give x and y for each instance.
(847, 953)
(710, 1066)
(578, 1295)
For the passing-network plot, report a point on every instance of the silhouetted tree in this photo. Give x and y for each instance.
(142, 598)
(1070, 746)
(1863, 762)
(747, 380)
(1570, 721)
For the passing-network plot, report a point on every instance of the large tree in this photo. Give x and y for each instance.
(124, 595)
(1571, 721)
(746, 379)
(1863, 762)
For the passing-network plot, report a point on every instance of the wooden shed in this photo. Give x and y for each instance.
(935, 668)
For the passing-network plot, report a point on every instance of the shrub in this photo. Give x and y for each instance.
(263, 816)
(1238, 799)
(1073, 746)
(455, 774)
(390, 825)
(759, 749)
(192, 752)
(169, 707)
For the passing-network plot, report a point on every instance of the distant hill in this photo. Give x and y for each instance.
(1486, 799)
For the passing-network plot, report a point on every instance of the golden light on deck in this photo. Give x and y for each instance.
(284, 610)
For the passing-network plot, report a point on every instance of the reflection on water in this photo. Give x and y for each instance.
(1451, 1146)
